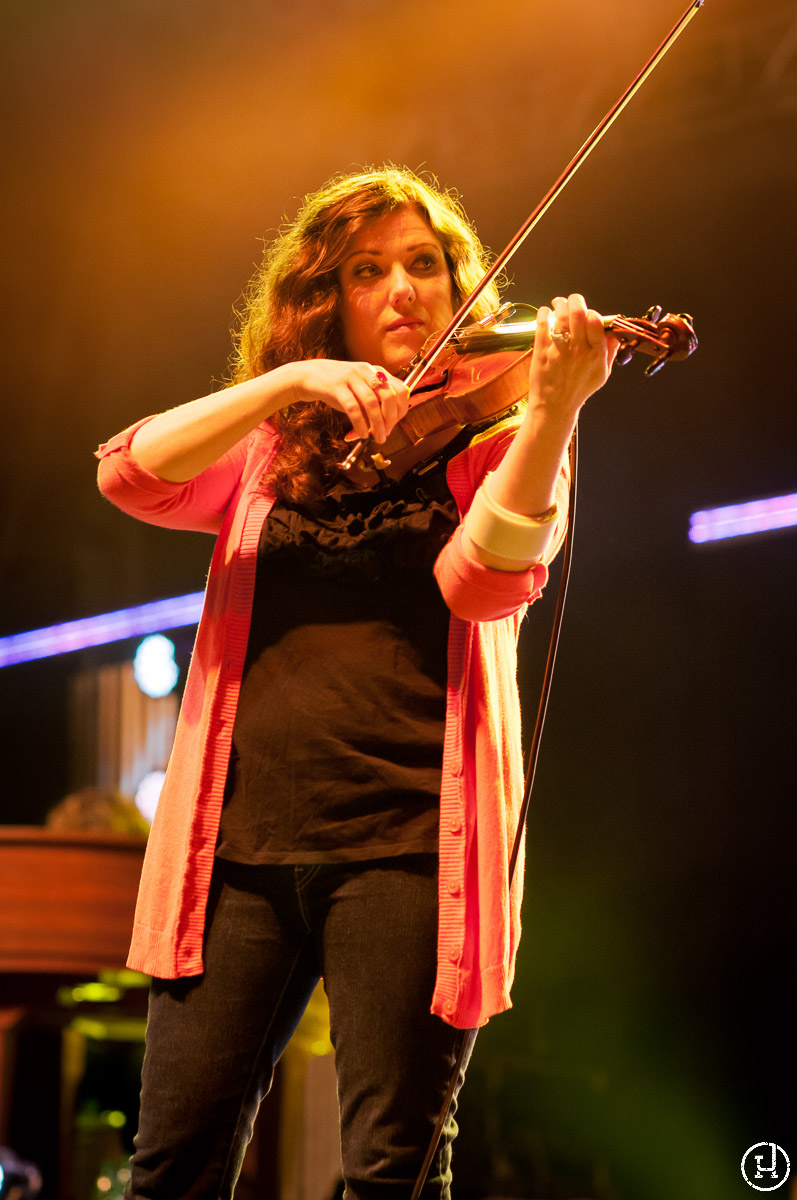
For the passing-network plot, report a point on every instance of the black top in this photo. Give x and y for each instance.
(337, 747)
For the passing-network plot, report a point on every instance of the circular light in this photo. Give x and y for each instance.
(148, 794)
(154, 667)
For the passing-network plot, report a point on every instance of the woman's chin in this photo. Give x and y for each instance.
(398, 360)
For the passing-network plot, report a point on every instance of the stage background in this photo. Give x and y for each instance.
(149, 147)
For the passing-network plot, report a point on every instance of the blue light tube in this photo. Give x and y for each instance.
(154, 617)
(737, 520)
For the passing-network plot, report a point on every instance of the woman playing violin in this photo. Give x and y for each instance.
(346, 773)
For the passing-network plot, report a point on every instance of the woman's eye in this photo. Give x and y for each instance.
(425, 262)
(365, 270)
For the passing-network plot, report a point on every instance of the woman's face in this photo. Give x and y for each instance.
(395, 289)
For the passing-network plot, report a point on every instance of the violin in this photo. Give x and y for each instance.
(483, 373)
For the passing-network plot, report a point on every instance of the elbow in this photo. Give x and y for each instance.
(117, 487)
(486, 606)
(135, 491)
(475, 592)
(107, 477)
(110, 482)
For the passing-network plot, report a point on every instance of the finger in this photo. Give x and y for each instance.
(560, 322)
(379, 399)
(355, 396)
(389, 408)
(352, 406)
(400, 396)
(392, 397)
(378, 378)
(358, 400)
(542, 327)
(370, 405)
(394, 400)
(384, 387)
(577, 316)
(612, 346)
(595, 333)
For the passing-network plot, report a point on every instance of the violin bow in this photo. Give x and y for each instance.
(551, 195)
(469, 1035)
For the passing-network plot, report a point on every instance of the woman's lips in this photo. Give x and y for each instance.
(406, 323)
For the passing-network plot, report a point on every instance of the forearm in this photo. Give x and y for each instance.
(179, 444)
(526, 478)
(527, 483)
(562, 375)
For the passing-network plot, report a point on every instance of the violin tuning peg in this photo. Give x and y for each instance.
(657, 364)
(654, 313)
(505, 313)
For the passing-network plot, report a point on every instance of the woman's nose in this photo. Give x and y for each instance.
(401, 287)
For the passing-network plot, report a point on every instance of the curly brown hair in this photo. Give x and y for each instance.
(291, 308)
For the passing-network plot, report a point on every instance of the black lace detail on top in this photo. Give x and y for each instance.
(339, 732)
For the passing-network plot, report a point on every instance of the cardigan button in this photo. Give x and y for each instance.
(455, 825)
(454, 888)
(454, 954)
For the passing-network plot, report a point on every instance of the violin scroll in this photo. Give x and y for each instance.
(665, 337)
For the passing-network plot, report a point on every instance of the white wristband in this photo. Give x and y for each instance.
(507, 534)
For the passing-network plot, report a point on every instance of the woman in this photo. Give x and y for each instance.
(346, 773)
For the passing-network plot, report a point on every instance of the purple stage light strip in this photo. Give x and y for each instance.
(733, 520)
(155, 617)
(736, 520)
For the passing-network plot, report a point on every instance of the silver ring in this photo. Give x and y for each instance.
(378, 379)
(564, 336)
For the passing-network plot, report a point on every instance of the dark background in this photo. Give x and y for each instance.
(149, 146)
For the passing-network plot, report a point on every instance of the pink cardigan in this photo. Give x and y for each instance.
(479, 922)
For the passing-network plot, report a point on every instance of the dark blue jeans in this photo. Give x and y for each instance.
(370, 930)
